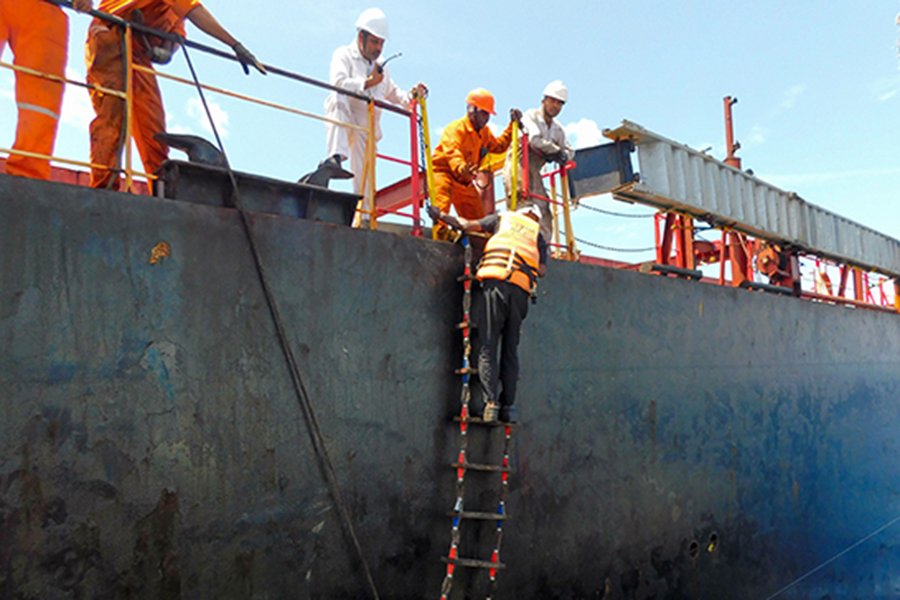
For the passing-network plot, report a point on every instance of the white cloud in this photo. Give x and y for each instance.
(884, 88)
(584, 133)
(757, 135)
(791, 96)
(196, 111)
(178, 129)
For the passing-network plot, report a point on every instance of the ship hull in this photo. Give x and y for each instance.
(675, 439)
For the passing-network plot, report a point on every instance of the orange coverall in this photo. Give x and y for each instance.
(38, 34)
(104, 56)
(461, 145)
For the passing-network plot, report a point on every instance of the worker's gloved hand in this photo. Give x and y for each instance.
(434, 212)
(160, 55)
(516, 115)
(566, 156)
(420, 91)
(246, 58)
(82, 5)
(468, 173)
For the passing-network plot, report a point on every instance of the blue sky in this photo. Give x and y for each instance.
(817, 85)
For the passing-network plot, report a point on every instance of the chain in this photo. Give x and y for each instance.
(587, 243)
(422, 161)
(615, 214)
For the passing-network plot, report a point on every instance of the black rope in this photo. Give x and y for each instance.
(592, 244)
(315, 432)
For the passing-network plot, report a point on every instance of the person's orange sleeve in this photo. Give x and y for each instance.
(500, 144)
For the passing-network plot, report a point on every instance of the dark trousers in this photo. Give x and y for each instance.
(498, 311)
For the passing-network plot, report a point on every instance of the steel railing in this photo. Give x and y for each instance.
(367, 204)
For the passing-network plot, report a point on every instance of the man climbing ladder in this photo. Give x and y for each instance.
(515, 256)
(463, 465)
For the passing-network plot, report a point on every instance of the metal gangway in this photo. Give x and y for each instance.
(688, 186)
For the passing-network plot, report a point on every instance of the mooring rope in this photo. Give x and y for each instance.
(315, 432)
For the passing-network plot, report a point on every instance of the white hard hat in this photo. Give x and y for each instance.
(373, 21)
(557, 89)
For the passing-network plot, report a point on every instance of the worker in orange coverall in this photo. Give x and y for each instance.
(38, 34)
(105, 68)
(457, 159)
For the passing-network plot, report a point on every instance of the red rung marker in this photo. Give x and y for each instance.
(493, 574)
(453, 552)
(460, 473)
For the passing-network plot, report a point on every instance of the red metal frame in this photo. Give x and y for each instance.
(730, 145)
(393, 198)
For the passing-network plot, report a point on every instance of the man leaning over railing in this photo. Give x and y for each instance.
(38, 34)
(458, 158)
(104, 55)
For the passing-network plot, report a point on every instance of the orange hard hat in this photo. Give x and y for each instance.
(481, 98)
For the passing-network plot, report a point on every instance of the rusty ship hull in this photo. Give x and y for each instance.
(675, 439)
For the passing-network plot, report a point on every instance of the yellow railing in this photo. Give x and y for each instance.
(368, 189)
(65, 80)
(517, 172)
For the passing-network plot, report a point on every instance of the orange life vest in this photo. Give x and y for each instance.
(511, 254)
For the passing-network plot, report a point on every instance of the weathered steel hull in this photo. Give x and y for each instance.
(677, 439)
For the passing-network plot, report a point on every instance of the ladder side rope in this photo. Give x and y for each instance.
(315, 433)
(495, 556)
(464, 420)
(465, 397)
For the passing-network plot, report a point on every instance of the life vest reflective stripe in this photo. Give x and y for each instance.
(511, 254)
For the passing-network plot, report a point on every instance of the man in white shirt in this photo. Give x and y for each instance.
(355, 68)
(547, 143)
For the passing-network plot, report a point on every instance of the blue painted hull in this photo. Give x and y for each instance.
(676, 439)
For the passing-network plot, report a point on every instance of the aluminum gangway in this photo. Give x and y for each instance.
(675, 177)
